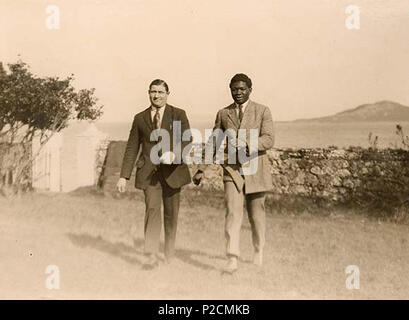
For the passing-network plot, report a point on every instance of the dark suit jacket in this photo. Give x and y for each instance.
(176, 175)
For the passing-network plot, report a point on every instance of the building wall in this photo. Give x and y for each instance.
(69, 160)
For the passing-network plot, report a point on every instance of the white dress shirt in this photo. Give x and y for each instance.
(244, 108)
(168, 156)
(153, 112)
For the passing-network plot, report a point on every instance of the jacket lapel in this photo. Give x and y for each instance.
(147, 118)
(246, 116)
(232, 114)
(167, 118)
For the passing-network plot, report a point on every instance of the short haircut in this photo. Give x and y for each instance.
(159, 82)
(241, 77)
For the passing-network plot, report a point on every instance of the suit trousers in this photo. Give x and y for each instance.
(234, 217)
(157, 192)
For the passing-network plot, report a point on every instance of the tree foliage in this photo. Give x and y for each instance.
(32, 106)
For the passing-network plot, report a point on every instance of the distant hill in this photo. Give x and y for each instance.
(373, 112)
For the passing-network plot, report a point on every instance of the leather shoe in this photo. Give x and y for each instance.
(151, 263)
(258, 258)
(168, 260)
(231, 265)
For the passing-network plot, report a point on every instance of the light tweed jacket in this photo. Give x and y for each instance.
(256, 116)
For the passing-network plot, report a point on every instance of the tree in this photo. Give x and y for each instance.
(31, 106)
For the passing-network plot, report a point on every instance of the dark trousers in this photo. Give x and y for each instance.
(155, 193)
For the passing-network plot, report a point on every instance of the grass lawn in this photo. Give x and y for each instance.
(97, 244)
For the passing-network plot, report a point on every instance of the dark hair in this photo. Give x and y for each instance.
(159, 82)
(241, 77)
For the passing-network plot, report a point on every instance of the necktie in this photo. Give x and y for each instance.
(156, 119)
(156, 123)
(240, 112)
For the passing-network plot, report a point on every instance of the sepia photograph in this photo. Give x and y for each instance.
(204, 150)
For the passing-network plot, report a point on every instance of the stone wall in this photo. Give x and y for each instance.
(365, 178)
(374, 179)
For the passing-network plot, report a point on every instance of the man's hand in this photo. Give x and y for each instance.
(238, 143)
(121, 185)
(167, 158)
(244, 151)
(197, 178)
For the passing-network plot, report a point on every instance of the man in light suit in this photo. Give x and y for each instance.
(245, 114)
(161, 182)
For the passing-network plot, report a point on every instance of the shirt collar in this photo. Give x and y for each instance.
(244, 104)
(153, 109)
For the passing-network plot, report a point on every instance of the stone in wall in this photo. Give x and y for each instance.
(355, 175)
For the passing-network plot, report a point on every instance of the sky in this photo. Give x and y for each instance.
(302, 59)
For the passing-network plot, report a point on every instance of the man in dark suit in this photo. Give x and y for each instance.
(241, 184)
(159, 173)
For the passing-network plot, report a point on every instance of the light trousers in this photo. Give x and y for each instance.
(234, 217)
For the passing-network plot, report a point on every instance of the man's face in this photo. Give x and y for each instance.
(240, 92)
(158, 95)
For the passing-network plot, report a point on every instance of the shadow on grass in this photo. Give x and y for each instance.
(134, 254)
(117, 249)
(189, 257)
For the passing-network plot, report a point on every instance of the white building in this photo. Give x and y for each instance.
(69, 160)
